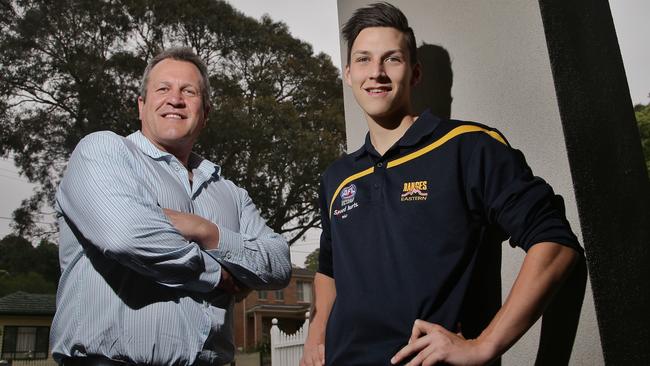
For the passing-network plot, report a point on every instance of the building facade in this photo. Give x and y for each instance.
(25, 321)
(253, 315)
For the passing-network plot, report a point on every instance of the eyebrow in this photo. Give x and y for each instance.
(185, 85)
(364, 52)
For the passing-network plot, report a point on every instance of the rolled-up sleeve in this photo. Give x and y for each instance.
(501, 186)
(113, 210)
(256, 255)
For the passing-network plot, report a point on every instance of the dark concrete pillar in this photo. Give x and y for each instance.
(609, 175)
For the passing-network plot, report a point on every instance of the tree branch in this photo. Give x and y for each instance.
(303, 229)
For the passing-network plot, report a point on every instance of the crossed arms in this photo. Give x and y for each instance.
(105, 197)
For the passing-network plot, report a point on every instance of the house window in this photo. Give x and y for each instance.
(304, 291)
(279, 295)
(25, 342)
(262, 295)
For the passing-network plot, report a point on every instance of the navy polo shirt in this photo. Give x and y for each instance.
(417, 233)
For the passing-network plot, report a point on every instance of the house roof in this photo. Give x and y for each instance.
(279, 309)
(23, 303)
(302, 272)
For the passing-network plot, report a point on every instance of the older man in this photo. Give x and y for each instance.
(155, 244)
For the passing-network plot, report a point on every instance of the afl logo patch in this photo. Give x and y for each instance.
(347, 194)
(347, 201)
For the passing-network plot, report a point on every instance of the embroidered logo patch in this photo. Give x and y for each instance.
(347, 201)
(414, 191)
(347, 194)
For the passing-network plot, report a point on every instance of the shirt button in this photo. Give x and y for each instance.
(375, 186)
(379, 165)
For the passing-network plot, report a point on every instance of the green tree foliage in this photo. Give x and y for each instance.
(24, 267)
(30, 282)
(642, 113)
(311, 262)
(72, 67)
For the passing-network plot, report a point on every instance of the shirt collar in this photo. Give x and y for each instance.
(423, 127)
(205, 166)
(367, 148)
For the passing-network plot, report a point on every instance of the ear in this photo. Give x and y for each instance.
(348, 80)
(140, 108)
(416, 74)
(206, 113)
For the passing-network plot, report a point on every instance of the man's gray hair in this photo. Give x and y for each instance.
(179, 54)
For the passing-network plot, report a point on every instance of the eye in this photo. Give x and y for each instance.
(162, 89)
(391, 59)
(362, 59)
(189, 92)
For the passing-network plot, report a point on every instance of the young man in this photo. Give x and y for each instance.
(155, 245)
(413, 222)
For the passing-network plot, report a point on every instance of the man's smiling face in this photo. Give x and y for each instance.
(380, 72)
(173, 113)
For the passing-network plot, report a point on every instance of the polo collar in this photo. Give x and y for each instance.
(205, 166)
(423, 127)
(367, 148)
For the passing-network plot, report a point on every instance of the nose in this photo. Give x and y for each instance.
(175, 98)
(377, 70)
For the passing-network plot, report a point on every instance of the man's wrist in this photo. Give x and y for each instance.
(487, 349)
(316, 334)
(314, 341)
(210, 236)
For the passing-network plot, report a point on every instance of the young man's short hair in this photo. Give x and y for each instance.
(379, 15)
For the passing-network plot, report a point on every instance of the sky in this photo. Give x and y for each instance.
(313, 21)
(632, 23)
(316, 22)
(13, 189)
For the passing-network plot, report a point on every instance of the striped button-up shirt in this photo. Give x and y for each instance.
(132, 287)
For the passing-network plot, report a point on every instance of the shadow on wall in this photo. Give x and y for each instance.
(434, 89)
(560, 320)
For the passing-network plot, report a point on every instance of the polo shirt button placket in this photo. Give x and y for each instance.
(183, 174)
(378, 177)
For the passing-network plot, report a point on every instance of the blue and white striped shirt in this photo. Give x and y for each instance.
(132, 287)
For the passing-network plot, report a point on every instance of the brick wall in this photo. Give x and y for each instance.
(246, 325)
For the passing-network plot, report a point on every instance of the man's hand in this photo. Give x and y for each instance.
(231, 285)
(206, 233)
(435, 344)
(313, 355)
(194, 228)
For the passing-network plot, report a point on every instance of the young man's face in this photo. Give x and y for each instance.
(173, 114)
(380, 72)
